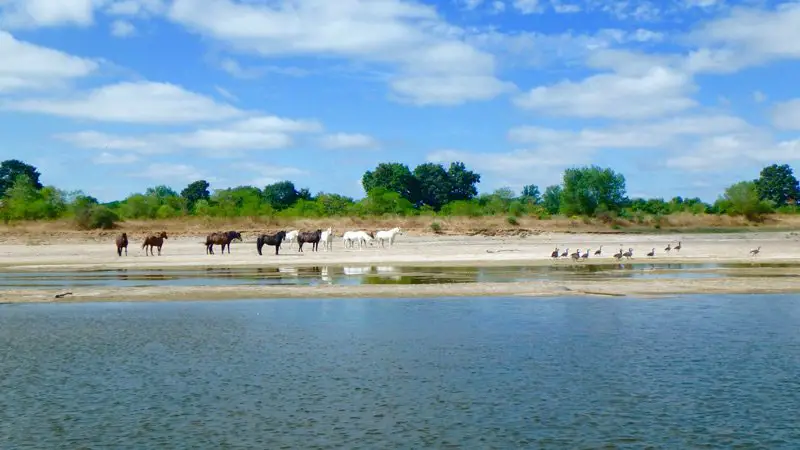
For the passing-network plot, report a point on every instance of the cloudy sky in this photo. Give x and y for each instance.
(682, 96)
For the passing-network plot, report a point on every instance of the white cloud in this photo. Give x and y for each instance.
(133, 102)
(172, 173)
(122, 29)
(528, 6)
(657, 92)
(471, 4)
(137, 8)
(498, 6)
(255, 133)
(747, 37)
(411, 37)
(786, 116)
(46, 13)
(759, 97)
(660, 134)
(349, 141)
(720, 153)
(113, 158)
(27, 66)
(226, 93)
(565, 8)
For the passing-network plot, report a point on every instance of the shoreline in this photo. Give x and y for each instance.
(418, 251)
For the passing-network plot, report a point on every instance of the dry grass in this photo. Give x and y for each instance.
(45, 232)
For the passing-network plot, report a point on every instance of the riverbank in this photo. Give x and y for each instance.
(188, 253)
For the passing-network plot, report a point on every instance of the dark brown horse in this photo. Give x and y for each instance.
(122, 242)
(311, 237)
(154, 241)
(223, 239)
(270, 239)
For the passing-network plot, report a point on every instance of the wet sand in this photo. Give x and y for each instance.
(776, 247)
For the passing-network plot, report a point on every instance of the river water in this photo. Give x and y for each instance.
(686, 372)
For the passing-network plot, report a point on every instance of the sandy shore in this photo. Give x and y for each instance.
(776, 247)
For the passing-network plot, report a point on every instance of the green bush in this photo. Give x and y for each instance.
(511, 220)
(436, 227)
(92, 217)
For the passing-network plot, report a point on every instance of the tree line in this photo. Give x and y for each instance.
(393, 189)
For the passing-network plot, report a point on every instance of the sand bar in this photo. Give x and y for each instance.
(189, 252)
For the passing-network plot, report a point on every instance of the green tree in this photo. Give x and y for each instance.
(778, 184)
(392, 177)
(11, 169)
(161, 192)
(743, 199)
(463, 182)
(280, 195)
(22, 199)
(531, 193)
(588, 188)
(333, 205)
(551, 200)
(196, 191)
(434, 185)
(382, 201)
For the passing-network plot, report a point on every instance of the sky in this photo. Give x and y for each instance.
(684, 97)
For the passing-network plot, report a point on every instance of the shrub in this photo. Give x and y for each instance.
(436, 227)
(512, 221)
(91, 217)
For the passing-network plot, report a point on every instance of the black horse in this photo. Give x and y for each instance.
(270, 239)
(223, 239)
(312, 237)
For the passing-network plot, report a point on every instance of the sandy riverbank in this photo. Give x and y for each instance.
(188, 252)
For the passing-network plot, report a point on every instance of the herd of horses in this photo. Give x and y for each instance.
(350, 239)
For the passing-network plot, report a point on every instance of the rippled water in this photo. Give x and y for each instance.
(376, 274)
(689, 372)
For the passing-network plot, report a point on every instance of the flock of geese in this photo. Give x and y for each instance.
(578, 256)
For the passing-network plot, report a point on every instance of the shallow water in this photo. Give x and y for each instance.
(376, 274)
(688, 372)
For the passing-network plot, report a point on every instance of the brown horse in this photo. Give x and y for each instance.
(223, 239)
(312, 237)
(122, 242)
(154, 241)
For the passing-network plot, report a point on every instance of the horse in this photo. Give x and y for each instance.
(312, 237)
(154, 241)
(291, 236)
(383, 236)
(270, 239)
(327, 239)
(351, 237)
(122, 242)
(223, 239)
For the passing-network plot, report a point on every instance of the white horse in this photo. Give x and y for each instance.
(351, 237)
(291, 236)
(327, 239)
(383, 236)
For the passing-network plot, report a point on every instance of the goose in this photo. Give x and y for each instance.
(668, 248)
(652, 253)
(678, 247)
(555, 253)
(576, 255)
(585, 255)
(565, 254)
(618, 255)
(599, 251)
(628, 254)
(755, 251)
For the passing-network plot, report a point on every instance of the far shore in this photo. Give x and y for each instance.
(413, 250)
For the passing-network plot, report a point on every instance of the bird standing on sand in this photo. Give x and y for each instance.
(678, 247)
(585, 256)
(555, 253)
(576, 255)
(669, 247)
(628, 254)
(755, 251)
(618, 255)
(599, 251)
(565, 254)
(652, 253)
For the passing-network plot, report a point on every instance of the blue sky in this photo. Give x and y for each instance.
(682, 96)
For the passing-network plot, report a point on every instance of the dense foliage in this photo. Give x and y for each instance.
(395, 189)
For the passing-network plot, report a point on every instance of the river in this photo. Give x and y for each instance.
(684, 372)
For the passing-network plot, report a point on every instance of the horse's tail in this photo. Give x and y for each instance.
(260, 244)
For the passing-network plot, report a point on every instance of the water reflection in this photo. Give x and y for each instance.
(380, 274)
